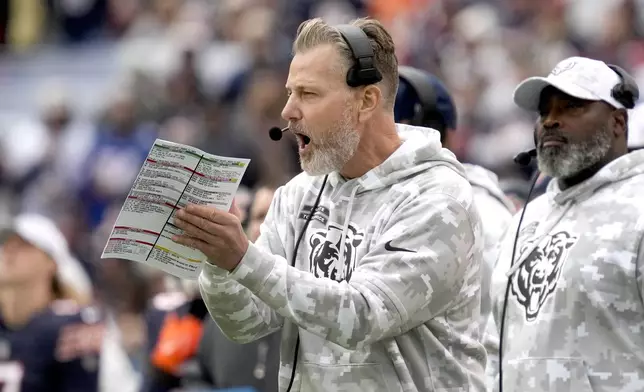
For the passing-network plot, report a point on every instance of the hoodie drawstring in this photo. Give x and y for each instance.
(340, 264)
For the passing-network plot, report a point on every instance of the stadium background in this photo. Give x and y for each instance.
(87, 85)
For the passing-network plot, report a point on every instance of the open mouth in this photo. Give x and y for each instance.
(302, 141)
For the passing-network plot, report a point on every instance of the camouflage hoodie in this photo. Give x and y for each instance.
(575, 316)
(396, 307)
(496, 212)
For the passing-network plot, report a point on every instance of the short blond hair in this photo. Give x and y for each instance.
(316, 32)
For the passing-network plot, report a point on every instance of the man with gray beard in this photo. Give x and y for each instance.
(567, 161)
(368, 262)
(567, 308)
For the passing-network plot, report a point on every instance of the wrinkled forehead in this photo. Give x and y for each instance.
(319, 65)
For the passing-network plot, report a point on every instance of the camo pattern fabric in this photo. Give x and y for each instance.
(575, 315)
(496, 211)
(385, 292)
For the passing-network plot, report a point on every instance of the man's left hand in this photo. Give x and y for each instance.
(216, 233)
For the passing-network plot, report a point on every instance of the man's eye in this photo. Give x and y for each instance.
(574, 104)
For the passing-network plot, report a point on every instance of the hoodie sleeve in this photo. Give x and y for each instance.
(496, 219)
(241, 315)
(420, 264)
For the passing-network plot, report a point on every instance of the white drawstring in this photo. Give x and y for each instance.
(340, 264)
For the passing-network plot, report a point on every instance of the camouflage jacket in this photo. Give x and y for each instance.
(385, 292)
(575, 315)
(496, 212)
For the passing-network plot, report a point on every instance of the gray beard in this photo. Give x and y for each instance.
(333, 148)
(332, 154)
(570, 159)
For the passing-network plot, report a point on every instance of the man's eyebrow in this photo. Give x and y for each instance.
(571, 98)
(300, 86)
(303, 88)
(546, 102)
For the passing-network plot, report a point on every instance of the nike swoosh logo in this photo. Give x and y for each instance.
(391, 248)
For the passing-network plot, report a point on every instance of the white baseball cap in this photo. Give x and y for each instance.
(42, 233)
(580, 77)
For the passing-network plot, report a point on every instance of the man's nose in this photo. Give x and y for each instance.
(291, 111)
(551, 120)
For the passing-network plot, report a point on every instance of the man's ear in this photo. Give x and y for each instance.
(620, 118)
(370, 100)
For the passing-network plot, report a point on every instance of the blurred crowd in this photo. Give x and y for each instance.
(89, 84)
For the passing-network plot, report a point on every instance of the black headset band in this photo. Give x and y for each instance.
(418, 81)
(626, 91)
(427, 114)
(364, 71)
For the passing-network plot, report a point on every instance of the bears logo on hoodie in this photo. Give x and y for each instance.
(537, 277)
(326, 251)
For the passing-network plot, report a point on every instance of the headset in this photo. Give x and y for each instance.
(625, 92)
(426, 112)
(363, 72)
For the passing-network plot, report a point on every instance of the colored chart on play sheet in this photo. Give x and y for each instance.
(172, 176)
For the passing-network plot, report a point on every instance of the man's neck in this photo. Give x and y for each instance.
(376, 145)
(19, 303)
(565, 183)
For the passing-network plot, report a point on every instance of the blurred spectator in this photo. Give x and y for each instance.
(174, 327)
(46, 153)
(44, 295)
(121, 146)
(258, 210)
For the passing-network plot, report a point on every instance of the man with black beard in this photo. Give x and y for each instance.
(567, 291)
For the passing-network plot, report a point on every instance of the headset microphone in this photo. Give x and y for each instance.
(276, 134)
(524, 158)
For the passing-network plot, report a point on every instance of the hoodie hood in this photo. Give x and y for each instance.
(620, 169)
(487, 180)
(421, 149)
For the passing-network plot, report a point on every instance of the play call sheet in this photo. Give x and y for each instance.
(172, 176)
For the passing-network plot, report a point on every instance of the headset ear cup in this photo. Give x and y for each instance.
(627, 92)
(623, 96)
(363, 72)
(352, 77)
